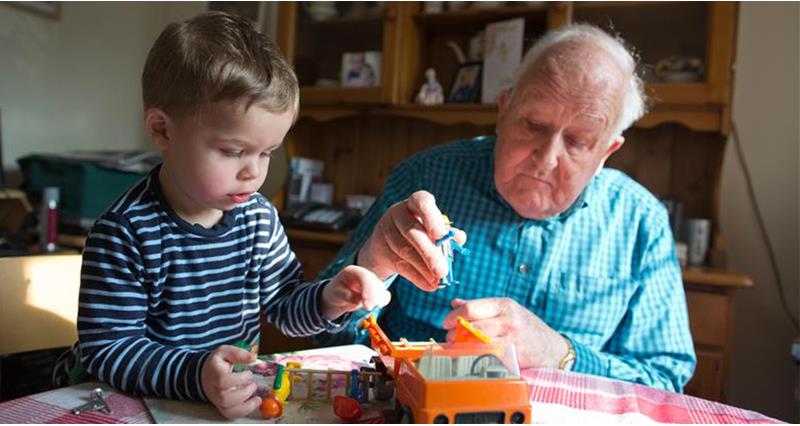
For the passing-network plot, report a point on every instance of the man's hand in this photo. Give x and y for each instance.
(232, 393)
(504, 321)
(353, 288)
(404, 242)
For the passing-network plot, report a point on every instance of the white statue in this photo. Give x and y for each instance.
(431, 91)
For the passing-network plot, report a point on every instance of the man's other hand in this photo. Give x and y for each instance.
(505, 321)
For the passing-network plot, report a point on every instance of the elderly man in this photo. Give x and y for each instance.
(573, 263)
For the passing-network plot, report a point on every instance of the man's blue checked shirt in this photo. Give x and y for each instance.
(604, 273)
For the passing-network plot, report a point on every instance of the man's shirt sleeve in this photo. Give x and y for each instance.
(112, 313)
(653, 344)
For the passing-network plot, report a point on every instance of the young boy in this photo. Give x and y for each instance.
(179, 268)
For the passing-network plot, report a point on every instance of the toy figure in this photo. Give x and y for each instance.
(431, 91)
(447, 245)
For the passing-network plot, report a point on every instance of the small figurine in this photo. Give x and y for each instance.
(447, 245)
(431, 92)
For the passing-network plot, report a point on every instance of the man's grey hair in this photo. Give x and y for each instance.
(634, 101)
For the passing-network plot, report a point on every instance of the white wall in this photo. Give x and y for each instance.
(74, 83)
(766, 112)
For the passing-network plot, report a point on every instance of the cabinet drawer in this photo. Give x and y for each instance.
(708, 317)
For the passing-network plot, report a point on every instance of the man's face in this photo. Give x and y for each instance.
(552, 138)
(219, 157)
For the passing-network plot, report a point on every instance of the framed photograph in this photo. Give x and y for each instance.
(466, 84)
(48, 9)
(361, 69)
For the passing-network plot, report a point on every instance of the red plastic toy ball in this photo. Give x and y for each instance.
(348, 409)
(271, 408)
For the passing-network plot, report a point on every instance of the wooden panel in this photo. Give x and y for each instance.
(708, 317)
(313, 257)
(707, 382)
(273, 341)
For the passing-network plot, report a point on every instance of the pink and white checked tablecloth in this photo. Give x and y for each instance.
(556, 397)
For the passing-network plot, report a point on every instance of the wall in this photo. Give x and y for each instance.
(766, 112)
(74, 83)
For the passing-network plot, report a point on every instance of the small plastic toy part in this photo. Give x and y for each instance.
(271, 408)
(467, 333)
(348, 409)
(97, 401)
(282, 386)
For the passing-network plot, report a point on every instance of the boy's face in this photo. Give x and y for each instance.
(217, 158)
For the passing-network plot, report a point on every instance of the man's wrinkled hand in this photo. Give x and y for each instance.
(505, 321)
(404, 242)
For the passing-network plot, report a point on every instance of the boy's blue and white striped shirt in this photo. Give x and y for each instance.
(604, 273)
(158, 294)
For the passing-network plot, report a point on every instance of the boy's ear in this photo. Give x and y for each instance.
(156, 123)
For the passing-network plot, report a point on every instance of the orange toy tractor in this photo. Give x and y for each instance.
(470, 381)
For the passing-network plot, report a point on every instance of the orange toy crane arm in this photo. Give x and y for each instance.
(380, 342)
(467, 333)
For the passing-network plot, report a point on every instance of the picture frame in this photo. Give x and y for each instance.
(466, 83)
(47, 9)
(361, 69)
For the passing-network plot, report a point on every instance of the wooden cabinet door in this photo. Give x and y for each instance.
(707, 380)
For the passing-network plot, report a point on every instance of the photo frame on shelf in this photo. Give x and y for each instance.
(361, 69)
(47, 9)
(466, 83)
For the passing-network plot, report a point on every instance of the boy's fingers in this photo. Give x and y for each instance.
(234, 355)
(230, 380)
(371, 290)
(237, 396)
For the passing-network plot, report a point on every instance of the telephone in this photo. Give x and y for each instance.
(320, 217)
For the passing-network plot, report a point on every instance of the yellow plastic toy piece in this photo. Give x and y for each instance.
(467, 333)
(282, 387)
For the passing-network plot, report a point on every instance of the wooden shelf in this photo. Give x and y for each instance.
(696, 117)
(472, 17)
(715, 277)
(318, 236)
(319, 95)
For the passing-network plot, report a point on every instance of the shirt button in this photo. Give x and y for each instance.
(523, 269)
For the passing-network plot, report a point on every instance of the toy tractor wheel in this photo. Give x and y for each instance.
(404, 415)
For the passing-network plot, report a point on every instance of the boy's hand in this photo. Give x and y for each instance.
(352, 288)
(232, 393)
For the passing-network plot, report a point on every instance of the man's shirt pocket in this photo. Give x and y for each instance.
(583, 306)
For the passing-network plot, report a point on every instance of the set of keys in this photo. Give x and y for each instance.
(97, 401)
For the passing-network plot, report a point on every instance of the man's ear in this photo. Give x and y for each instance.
(156, 124)
(615, 145)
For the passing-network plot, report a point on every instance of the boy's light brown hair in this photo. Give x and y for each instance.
(216, 57)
